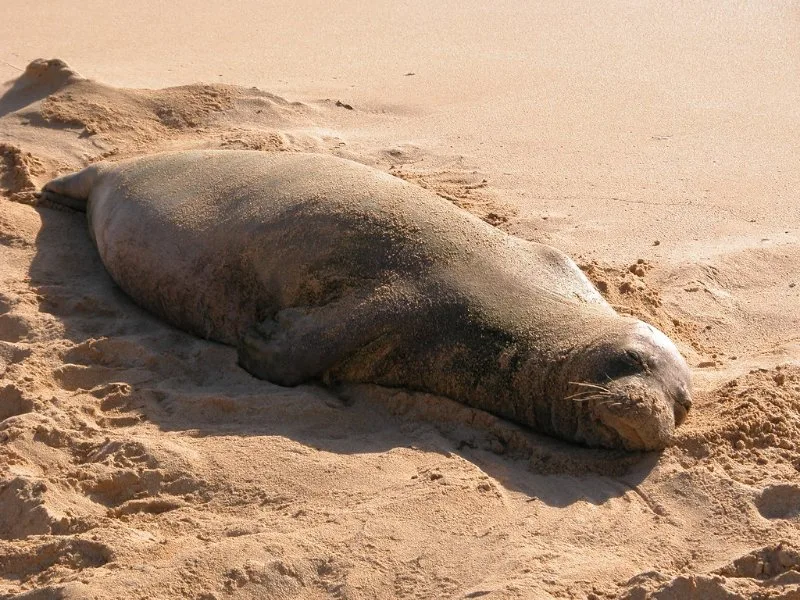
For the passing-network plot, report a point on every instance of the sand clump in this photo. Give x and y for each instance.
(139, 461)
(769, 572)
(18, 171)
(748, 423)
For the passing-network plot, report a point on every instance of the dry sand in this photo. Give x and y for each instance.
(657, 143)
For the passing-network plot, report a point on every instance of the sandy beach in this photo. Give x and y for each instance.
(655, 143)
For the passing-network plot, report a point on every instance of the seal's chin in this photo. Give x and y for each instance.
(640, 417)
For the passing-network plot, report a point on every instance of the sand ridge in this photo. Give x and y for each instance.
(142, 462)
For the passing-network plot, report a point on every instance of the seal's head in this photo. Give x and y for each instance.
(627, 389)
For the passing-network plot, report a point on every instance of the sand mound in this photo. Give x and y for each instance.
(140, 117)
(630, 291)
(748, 423)
(18, 171)
(139, 461)
(770, 572)
(40, 78)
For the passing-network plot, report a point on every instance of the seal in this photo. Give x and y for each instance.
(319, 268)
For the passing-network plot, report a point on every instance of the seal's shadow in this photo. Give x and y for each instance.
(131, 361)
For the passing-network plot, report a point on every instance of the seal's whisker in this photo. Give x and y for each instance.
(592, 390)
(582, 393)
(593, 397)
(586, 395)
(602, 388)
(610, 404)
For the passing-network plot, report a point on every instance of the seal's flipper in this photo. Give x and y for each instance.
(301, 344)
(71, 190)
(54, 200)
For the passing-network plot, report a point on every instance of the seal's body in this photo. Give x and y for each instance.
(321, 268)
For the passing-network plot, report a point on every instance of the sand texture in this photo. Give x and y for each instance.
(657, 147)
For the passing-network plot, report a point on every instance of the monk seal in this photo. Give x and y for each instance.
(319, 268)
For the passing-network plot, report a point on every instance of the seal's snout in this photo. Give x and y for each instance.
(638, 416)
(641, 389)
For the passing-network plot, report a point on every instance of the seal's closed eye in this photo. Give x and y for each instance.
(625, 363)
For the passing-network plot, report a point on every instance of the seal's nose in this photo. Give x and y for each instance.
(682, 402)
(680, 414)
